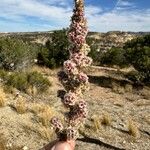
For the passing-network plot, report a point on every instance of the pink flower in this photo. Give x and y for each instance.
(72, 78)
(82, 105)
(71, 133)
(56, 123)
(83, 78)
(81, 60)
(78, 113)
(70, 67)
(77, 58)
(87, 61)
(69, 99)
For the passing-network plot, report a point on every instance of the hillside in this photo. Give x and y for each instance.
(118, 100)
(103, 41)
(118, 115)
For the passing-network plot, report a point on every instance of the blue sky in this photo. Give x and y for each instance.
(46, 15)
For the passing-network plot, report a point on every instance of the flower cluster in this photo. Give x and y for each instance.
(85, 49)
(70, 67)
(57, 124)
(77, 39)
(78, 113)
(81, 60)
(69, 99)
(71, 133)
(83, 77)
(74, 80)
(82, 109)
(62, 76)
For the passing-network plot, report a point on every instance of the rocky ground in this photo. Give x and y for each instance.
(119, 115)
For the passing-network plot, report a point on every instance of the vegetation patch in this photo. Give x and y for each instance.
(16, 54)
(25, 80)
(2, 98)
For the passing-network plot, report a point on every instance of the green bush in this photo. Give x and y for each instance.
(3, 74)
(95, 52)
(23, 80)
(114, 56)
(137, 53)
(16, 54)
(18, 80)
(134, 76)
(36, 79)
(55, 51)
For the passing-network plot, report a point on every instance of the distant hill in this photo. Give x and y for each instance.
(103, 41)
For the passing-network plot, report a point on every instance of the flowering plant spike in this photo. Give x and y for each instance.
(72, 77)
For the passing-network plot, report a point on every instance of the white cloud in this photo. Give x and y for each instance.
(93, 10)
(123, 17)
(49, 15)
(124, 3)
(16, 10)
(121, 20)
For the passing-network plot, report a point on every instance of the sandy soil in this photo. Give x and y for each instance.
(111, 96)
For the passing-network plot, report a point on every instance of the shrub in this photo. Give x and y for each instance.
(106, 119)
(96, 122)
(138, 55)
(95, 53)
(21, 106)
(55, 51)
(16, 54)
(134, 76)
(2, 98)
(18, 80)
(3, 74)
(114, 56)
(133, 128)
(36, 79)
(24, 81)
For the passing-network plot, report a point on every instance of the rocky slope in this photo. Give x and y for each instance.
(103, 41)
(112, 101)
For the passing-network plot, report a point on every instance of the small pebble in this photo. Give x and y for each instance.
(25, 148)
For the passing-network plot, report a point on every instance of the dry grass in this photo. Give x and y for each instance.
(145, 92)
(119, 102)
(4, 145)
(147, 119)
(142, 103)
(44, 70)
(2, 98)
(32, 90)
(37, 108)
(128, 88)
(133, 128)
(106, 119)
(96, 123)
(117, 88)
(2, 142)
(46, 133)
(131, 97)
(44, 113)
(20, 105)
